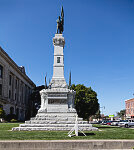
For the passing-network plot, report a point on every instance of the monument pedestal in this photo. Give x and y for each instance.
(57, 100)
(57, 112)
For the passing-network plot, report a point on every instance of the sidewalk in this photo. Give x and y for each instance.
(66, 144)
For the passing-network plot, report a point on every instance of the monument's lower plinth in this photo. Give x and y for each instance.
(54, 121)
(57, 100)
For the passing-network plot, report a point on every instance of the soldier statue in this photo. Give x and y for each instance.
(60, 22)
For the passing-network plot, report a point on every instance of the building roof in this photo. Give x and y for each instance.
(16, 67)
(132, 99)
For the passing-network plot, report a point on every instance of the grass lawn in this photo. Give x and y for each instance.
(105, 132)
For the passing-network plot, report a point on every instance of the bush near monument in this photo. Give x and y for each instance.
(86, 102)
(10, 117)
(2, 113)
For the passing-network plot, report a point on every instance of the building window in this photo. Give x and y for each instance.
(0, 89)
(15, 96)
(10, 79)
(9, 94)
(58, 59)
(11, 110)
(1, 71)
(16, 84)
(17, 112)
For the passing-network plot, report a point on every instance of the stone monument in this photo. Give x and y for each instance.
(57, 98)
(57, 111)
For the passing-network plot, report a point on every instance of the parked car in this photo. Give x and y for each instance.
(99, 122)
(115, 123)
(109, 122)
(95, 122)
(104, 122)
(126, 123)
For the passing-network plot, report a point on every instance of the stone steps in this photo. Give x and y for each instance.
(51, 128)
(54, 125)
(56, 118)
(53, 122)
(56, 114)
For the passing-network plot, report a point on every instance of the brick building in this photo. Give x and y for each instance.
(129, 108)
(15, 87)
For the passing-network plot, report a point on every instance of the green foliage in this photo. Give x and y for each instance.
(122, 113)
(9, 117)
(36, 99)
(2, 113)
(86, 102)
(13, 120)
(97, 115)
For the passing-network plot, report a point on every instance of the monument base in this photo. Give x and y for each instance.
(57, 112)
(54, 121)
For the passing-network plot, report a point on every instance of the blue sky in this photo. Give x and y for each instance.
(99, 49)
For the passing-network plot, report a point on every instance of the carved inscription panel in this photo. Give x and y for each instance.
(57, 95)
(57, 101)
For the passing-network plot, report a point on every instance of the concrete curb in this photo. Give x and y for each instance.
(66, 144)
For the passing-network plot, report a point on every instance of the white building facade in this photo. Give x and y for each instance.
(15, 87)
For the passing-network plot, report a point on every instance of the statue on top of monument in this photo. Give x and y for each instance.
(60, 22)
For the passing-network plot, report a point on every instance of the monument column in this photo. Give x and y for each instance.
(58, 66)
(58, 80)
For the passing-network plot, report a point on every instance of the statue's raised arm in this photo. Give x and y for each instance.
(60, 22)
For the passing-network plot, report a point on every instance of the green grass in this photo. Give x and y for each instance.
(103, 133)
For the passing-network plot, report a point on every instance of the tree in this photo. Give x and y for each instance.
(122, 113)
(36, 99)
(97, 115)
(86, 102)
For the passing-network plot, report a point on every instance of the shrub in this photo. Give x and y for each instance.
(9, 117)
(13, 120)
(2, 113)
